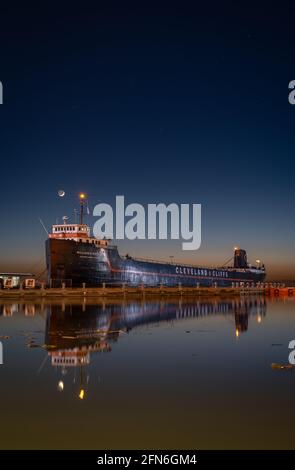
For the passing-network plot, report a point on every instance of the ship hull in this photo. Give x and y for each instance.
(77, 263)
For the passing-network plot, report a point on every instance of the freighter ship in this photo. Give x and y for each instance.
(75, 258)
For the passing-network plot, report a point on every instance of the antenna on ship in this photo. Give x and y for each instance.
(82, 197)
(43, 225)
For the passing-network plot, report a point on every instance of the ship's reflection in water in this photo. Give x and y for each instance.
(160, 373)
(74, 332)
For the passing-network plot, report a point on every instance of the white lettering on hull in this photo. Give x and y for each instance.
(187, 271)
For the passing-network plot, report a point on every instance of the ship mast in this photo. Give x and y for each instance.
(82, 198)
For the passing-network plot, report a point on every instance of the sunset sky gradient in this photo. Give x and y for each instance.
(185, 104)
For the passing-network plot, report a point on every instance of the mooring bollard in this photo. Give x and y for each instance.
(84, 288)
(124, 289)
(21, 289)
(142, 290)
(42, 290)
(180, 288)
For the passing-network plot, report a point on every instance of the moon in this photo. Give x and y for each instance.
(61, 193)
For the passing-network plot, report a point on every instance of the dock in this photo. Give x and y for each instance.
(142, 292)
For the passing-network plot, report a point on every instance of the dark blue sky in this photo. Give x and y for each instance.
(161, 104)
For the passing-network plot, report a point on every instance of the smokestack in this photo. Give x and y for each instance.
(240, 259)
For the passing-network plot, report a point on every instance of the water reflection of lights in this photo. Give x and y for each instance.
(74, 332)
(60, 386)
(81, 394)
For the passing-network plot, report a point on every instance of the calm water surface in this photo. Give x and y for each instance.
(158, 374)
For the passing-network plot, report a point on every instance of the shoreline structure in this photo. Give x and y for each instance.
(142, 291)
